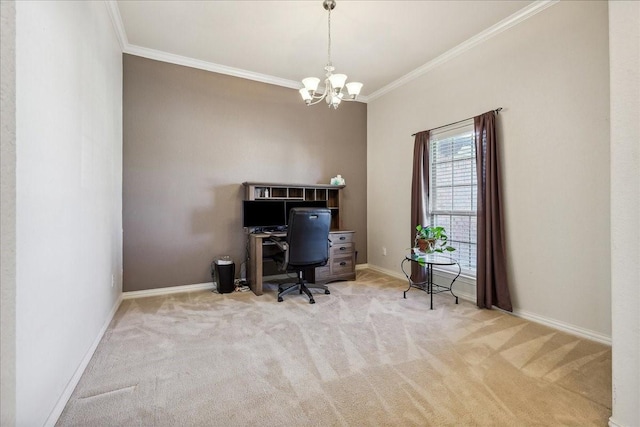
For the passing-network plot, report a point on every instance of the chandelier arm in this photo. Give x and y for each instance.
(319, 98)
(315, 102)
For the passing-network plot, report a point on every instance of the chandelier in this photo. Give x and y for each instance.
(334, 84)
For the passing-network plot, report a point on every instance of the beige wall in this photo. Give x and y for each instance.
(69, 197)
(624, 42)
(550, 73)
(191, 137)
(8, 214)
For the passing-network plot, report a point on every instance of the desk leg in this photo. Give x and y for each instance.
(255, 264)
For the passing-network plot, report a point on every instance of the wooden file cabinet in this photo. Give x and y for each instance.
(342, 259)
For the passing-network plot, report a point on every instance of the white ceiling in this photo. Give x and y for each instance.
(380, 43)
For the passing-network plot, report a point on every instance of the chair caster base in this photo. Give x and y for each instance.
(279, 299)
(326, 292)
(312, 301)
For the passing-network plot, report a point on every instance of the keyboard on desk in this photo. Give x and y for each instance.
(272, 233)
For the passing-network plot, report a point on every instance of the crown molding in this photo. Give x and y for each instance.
(116, 20)
(215, 68)
(126, 47)
(523, 14)
(209, 66)
(157, 55)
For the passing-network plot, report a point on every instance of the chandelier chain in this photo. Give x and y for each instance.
(329, 48)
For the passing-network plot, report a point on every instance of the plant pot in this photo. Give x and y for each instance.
(426, 245)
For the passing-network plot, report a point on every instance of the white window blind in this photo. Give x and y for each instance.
(453, 189)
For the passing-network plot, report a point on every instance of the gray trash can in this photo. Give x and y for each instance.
(225, 271)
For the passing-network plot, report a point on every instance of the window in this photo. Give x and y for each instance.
(454, 189)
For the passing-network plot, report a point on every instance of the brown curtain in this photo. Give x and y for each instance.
(491, 279)
(419, 194)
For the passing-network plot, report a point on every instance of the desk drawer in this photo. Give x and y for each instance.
(341, 249)
(338, 238)
(342, 265)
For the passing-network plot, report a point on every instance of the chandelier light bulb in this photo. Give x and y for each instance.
(354, 88)
(306, 96)
(311, 84)
(333, 101)
(338, 80)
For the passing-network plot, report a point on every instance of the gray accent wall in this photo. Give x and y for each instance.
(191, 137)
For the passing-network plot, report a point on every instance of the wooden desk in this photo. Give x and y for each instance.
(256, 241)
(341, 264)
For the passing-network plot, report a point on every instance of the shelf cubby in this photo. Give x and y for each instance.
(296, 193)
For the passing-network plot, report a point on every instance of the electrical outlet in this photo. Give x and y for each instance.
(384, 251)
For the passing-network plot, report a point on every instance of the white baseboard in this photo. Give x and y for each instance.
(73, 382)
(385, 271)
(466, 291)
(562, 326)
(197, 287)
(613, 423)
(168, 290)
(458, 290)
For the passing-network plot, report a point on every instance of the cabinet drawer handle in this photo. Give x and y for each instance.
(343, 237)
(343, 263)
(342, 248)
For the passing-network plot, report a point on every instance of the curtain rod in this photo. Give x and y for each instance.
(497, 110)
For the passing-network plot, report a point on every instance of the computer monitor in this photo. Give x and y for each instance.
(290, 204)
(263, 214)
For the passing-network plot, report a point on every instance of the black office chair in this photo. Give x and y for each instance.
(306, 246)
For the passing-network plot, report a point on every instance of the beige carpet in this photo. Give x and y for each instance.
(362, 356)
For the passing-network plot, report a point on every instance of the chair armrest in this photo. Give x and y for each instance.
(280, 243)
(282, 261)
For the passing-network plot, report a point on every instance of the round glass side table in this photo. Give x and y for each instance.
(428, 261)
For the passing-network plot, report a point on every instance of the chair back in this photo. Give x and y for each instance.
(308, 237)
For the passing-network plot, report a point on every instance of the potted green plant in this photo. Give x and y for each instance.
(432, 239)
